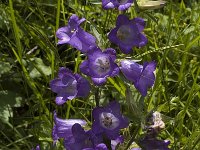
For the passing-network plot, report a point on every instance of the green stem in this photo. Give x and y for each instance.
(96, 96)
(57, 16)
(15, 30)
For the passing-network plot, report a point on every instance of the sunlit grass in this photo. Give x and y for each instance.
(30, 58)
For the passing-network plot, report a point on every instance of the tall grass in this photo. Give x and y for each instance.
(30, 58)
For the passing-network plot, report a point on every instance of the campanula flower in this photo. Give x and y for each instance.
(63, 127)
(128, 33)
(108, 120)
(153, 143)
(74, 35)
(141, 76)
(100, 65)
(82, 140)
(120, 4)
(68, 86)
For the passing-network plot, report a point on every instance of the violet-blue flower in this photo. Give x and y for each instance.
(63, 127)
(68, 86)
(82, 140)
(100, 65)
(142, 76)
(108, 120)
(153, 143)
(75, 36)
(120, 4)
(128, 33)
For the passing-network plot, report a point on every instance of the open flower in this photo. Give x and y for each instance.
(63, 127)
(127, 33)
(68, 86)
(108, 120)
(120, 4)
(75, 36)
(142, 76)
(100, 65)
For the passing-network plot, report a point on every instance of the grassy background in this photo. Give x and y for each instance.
(30, 58)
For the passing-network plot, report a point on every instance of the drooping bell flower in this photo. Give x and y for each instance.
(63, 127)
(120, 4)
(141, 76)
(82, 140)
(100, 65)
(68, 86)
(74, 35)
(108, 120)
(128, 33)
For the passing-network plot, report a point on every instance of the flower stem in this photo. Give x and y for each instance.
(96, 96)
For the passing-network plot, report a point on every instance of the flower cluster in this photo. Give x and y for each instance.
(107, 123)
(99, 65)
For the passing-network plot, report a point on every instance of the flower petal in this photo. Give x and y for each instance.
(63, 35)
(60, 100)
(99, 81)
(83, 86)
(131, 70)
(146, 79)
(121, 20)
(139, 22)
(56, 85)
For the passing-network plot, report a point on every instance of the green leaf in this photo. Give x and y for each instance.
(39, 68)
(5, 67)
(8, 99)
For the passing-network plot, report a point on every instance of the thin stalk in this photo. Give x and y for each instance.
(63, 11)
(105, 22)
(96, 96)
(15, 30)
(57, 16)
(68, 109)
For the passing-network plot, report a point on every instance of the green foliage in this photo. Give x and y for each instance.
(30, 58)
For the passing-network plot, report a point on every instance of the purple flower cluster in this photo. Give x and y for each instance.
(107, 123)
(99, 65)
